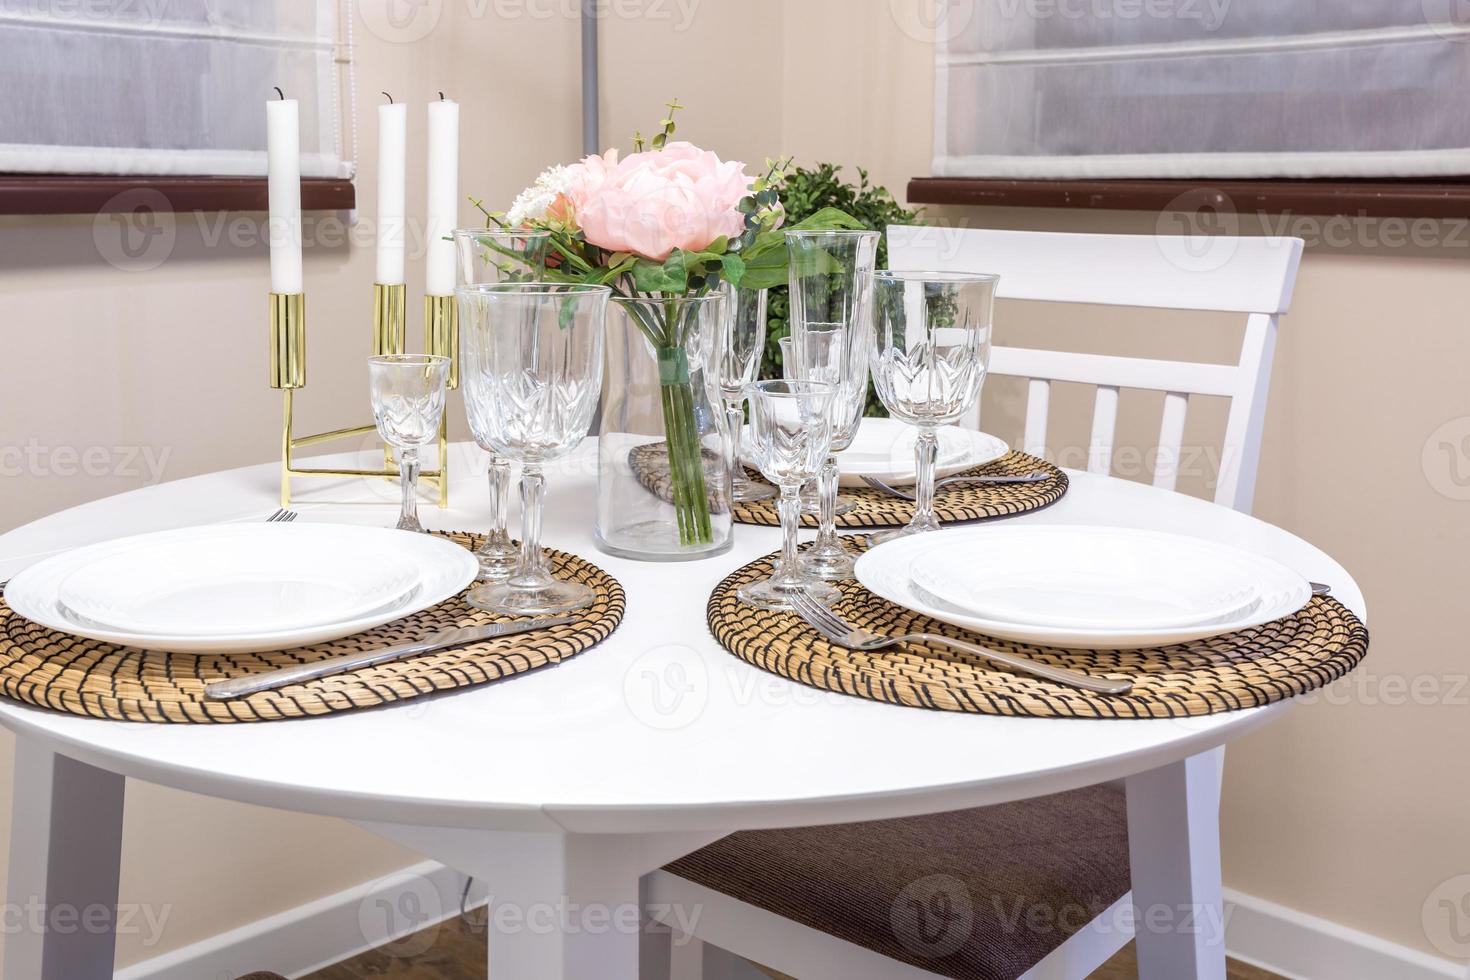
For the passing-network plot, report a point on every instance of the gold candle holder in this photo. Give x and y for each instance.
(288, 340)
(441, 332)
(441, 337)
(389, 313)
(288, 373)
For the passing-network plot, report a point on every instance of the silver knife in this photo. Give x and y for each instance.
(240, 687)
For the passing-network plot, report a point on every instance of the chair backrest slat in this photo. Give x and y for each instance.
(1254, 276)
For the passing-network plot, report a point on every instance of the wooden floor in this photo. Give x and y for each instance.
(456, 951)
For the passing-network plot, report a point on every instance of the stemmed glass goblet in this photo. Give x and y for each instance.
(929, 362)
(790, 431)
(532, 364)
(487, 256)
(831, 278)
(737, 360)
(408, 404)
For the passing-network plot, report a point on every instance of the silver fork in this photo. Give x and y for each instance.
(844, 634)
(994, 481)
(281, 516)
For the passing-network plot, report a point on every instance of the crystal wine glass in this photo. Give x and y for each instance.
(532, 360)
(831, 328)
(489, 256)
(929, 361)
(736, 363)
(408, 404)
(790, 430)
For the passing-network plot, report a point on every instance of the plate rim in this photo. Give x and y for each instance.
(422, 599)
(1073, 638)
(1234, 555)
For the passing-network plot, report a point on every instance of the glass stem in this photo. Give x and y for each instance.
(827, 489)
(735, 420)
(408, 479)
(926, 456)
(499, 500)
(532, 571)
(787, 573)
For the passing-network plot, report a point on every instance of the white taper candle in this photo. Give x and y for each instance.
(283, 189)
(443, 197)
(392, 153)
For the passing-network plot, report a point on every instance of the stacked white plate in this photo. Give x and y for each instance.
(884, 450)
(239, 588)
(1081, 586)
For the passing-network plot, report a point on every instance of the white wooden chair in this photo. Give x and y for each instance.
(1251, 277)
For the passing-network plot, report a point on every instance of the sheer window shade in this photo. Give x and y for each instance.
(169, 87)
(1201, 88)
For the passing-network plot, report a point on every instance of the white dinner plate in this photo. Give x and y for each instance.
(239, 578)
(441, 566)
(1095, 578)
(884, 450)
(884, 571)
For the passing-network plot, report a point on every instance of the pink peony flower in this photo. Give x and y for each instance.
(654, 202)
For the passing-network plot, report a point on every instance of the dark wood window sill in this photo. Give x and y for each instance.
(1441, 198)
(86, 194)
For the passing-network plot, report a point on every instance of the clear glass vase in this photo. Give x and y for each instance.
(662, 487)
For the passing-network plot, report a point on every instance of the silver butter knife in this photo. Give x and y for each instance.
(240, 687)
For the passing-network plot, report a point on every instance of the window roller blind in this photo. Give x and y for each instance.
(168, 87)
(1201, 88)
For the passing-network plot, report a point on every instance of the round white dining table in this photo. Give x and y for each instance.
(567, 785)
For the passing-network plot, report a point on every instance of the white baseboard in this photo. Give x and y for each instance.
(304, 939)
(1304, 947)
(311, 936)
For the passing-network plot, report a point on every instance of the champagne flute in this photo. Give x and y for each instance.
(831, 278)
(929, 362)
(737, 359)
(408, 404)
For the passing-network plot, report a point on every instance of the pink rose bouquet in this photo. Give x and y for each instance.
(666, 221)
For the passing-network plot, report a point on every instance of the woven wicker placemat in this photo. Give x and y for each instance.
(874, 508)
(952, 505)
(1247, 669)
(84, 677)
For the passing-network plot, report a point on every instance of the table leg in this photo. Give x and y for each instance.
(1174, 847)
(65, 852)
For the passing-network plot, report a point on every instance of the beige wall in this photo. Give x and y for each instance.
(1353, 808)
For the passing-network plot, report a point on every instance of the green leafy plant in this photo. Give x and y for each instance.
(810, 192)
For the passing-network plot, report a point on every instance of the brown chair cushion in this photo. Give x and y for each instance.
(974, 895)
